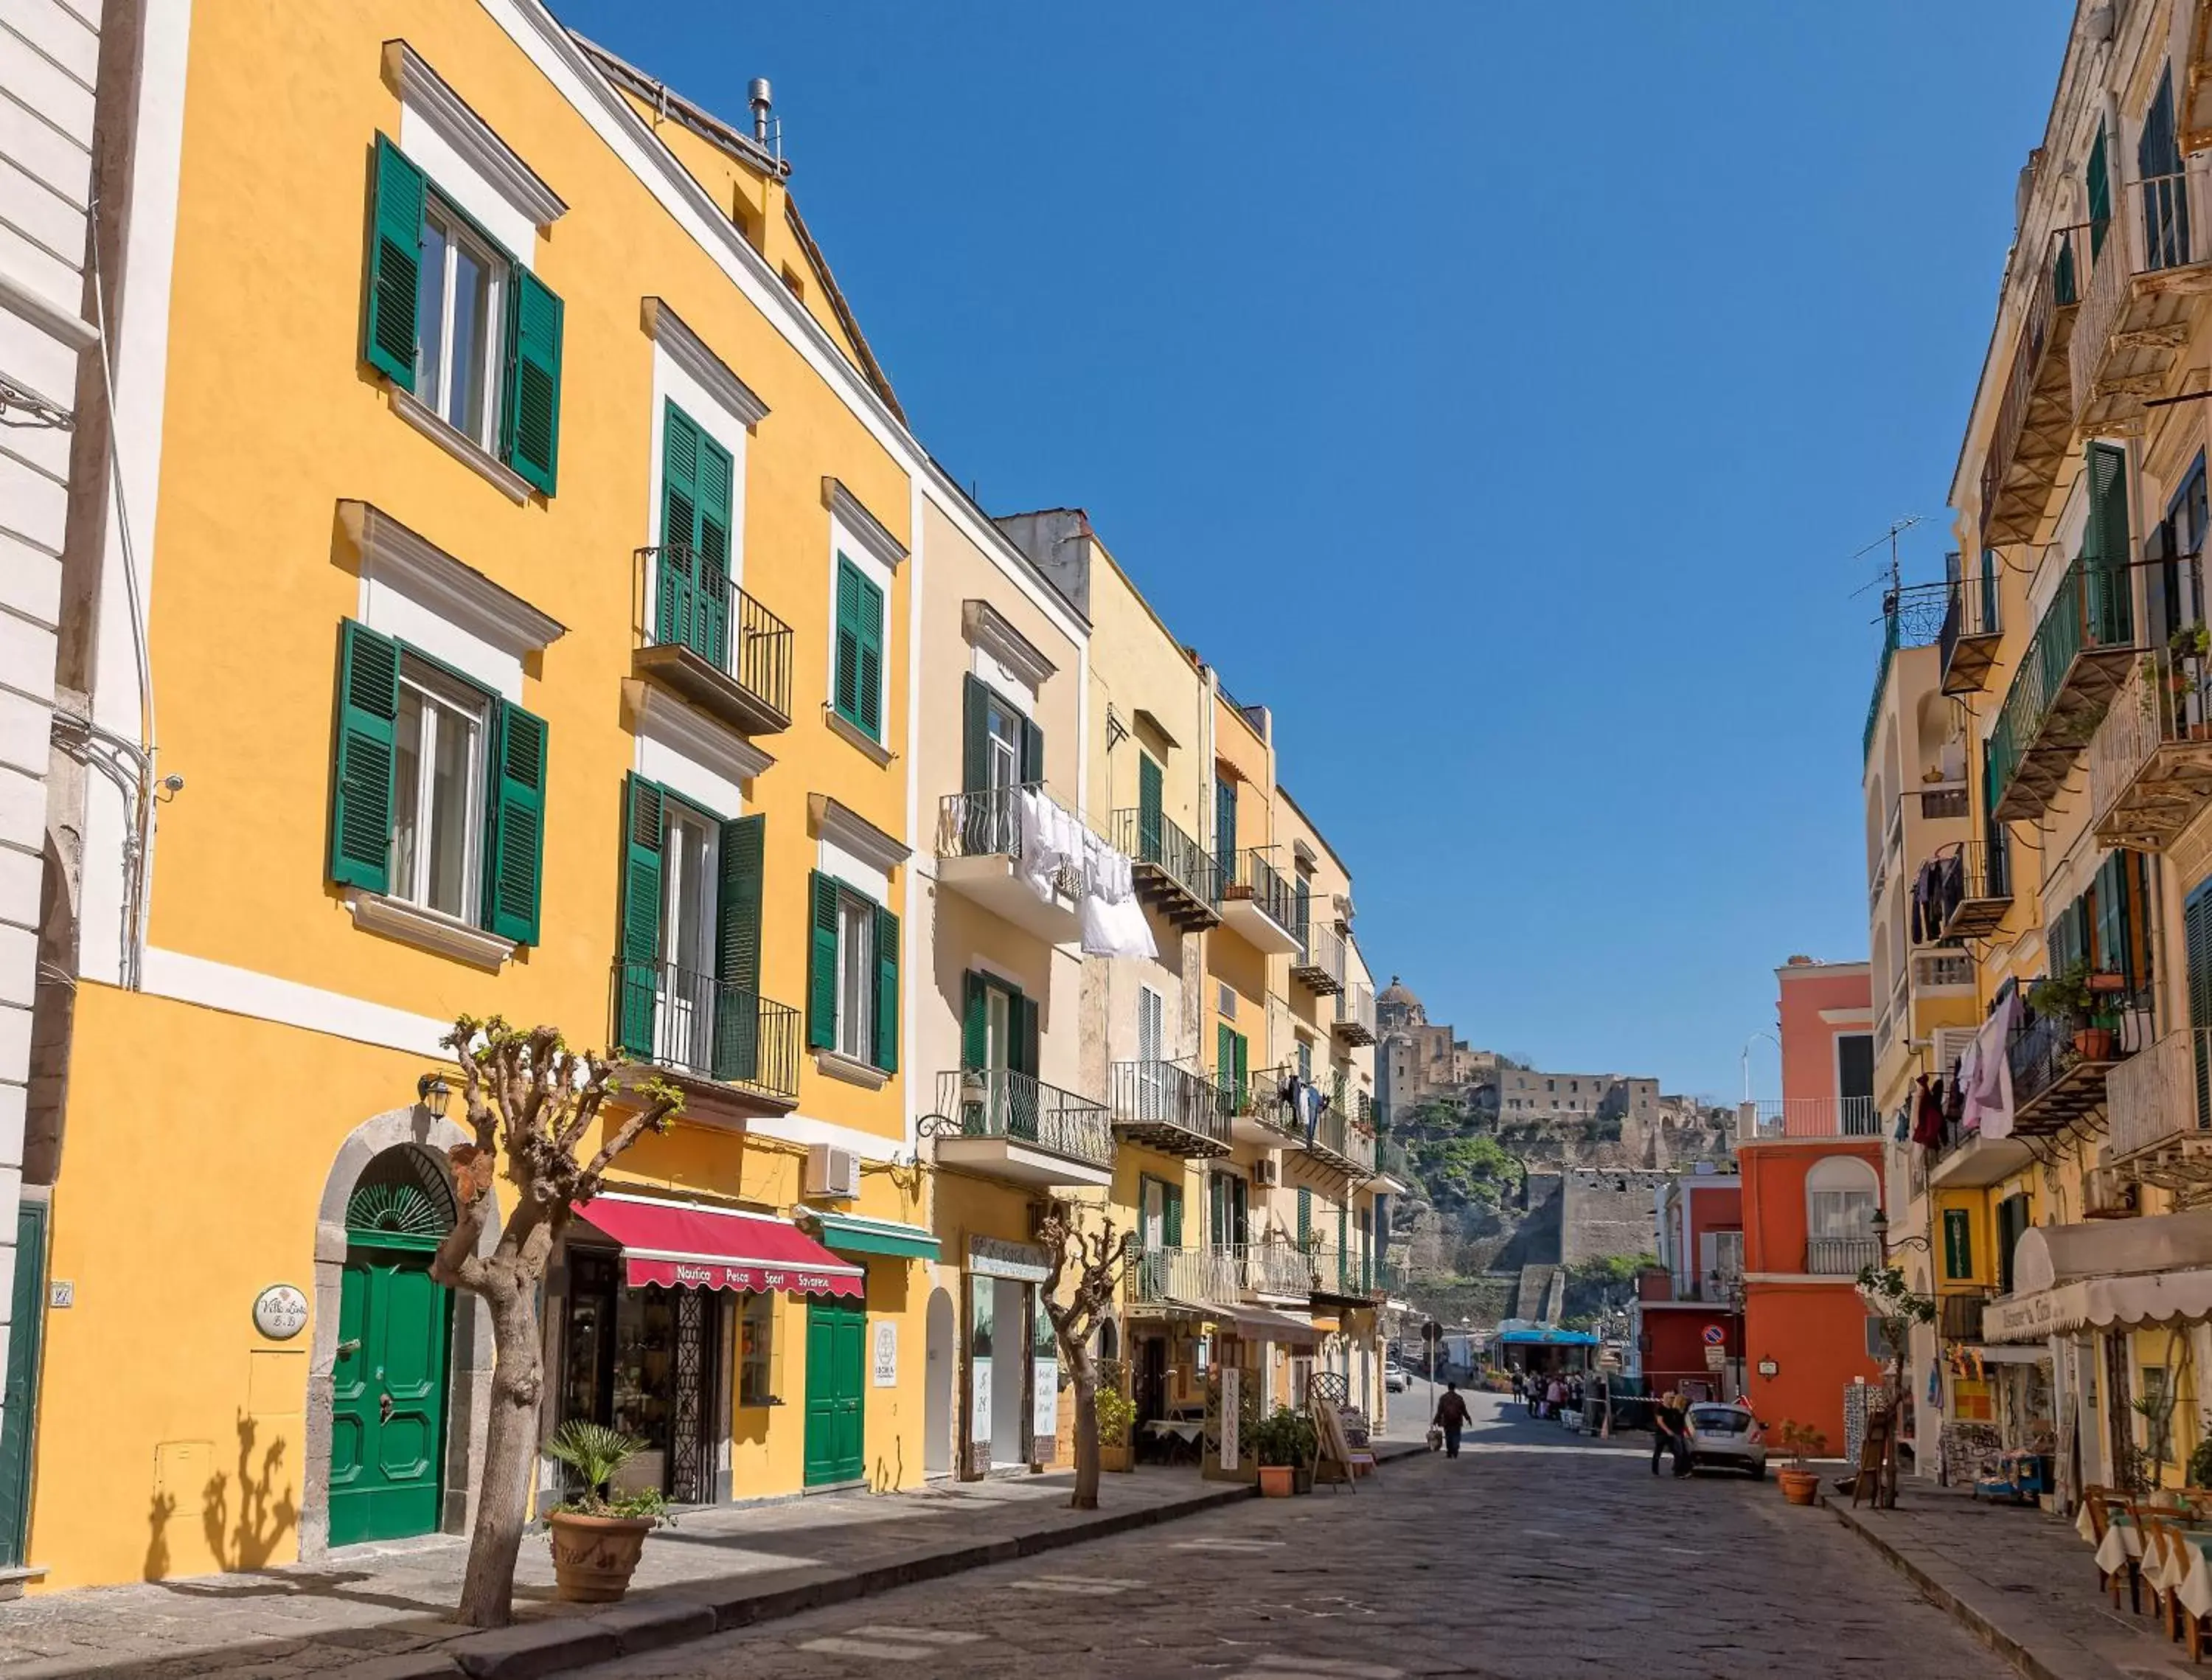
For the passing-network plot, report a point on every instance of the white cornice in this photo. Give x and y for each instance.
(696, 736)
(671, 332)
(468, 134)
(411, 924)
(392, 554)
(848, 830)
(865, 527)
(984, 625)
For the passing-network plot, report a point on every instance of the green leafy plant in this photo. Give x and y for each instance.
(1799, 1441)
(2200, 1459)
(592, 1454)
(2063, 995)
(1285, 1437)
(1116, 1413)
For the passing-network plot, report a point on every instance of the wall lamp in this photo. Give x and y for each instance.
(434, 1094)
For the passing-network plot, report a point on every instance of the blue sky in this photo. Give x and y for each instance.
(1497, 392)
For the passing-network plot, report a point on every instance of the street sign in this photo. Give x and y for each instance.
(1715, 1335)
(1716, 1359)
(1767, 1368)
(1432, 1332)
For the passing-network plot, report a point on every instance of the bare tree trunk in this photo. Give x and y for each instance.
(1083, 1376)
(510, 1454)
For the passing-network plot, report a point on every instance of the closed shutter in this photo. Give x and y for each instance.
(1303, 915)
(2111, 891)
(1243, 1049)
(1171, 1214)
(514, 847)
(1032, 755)
(360, 778)
(975, 734)
(887, 990)
(821, 961)
(2196, 945)
(737, 949)
(714, 481)
(531, 426)
(643, 812)
(1343, 1246)
(1958, 1245)
(872, 659)
(2105, 535)
(975, 1023)
(395, 267)
(1217, 1210)
(857, 689)
(1305, 1216)
(1225, 831)
(2099, 181)
(1149, 809)
(677, 615)
(1224, 1059)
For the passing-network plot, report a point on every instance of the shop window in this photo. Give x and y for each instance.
(756, 1351)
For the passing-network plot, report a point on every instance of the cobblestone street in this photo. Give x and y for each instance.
(1537, 1556)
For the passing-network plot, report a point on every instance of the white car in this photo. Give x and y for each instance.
(1725, 1437)
(1394, 1379)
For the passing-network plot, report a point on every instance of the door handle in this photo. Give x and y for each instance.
(384, 1409)
(347, 1350)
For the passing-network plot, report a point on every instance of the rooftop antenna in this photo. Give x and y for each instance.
(1897, 528)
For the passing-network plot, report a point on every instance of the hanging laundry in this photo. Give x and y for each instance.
(1114, 922)
(1927, 1114)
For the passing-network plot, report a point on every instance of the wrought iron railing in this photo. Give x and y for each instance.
(1150, 837)
(1321, 953)
(1959, 1318)
(2151, 232)
(1259, 883)
(999, 1103)
(1355, 1009)
(1263, 1095)
(2093, 610)
(2045, 1050)
(1390, 1157)
(2056, 290)
(1199, 1276)
(1347, 1271)
(696, 1024)
(1841, 1257)
(1971, 605)
(1274, 1268)
(1007, 822)
(1941, 804)
(689, 601)
(2161, 1094)
(2161, 703)
(1911, 617)
(1970, 873)
(1337, 1136)
(1167, 1094)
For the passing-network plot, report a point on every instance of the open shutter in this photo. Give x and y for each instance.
(1032, 754)
(1225, 831)
(737, 950)
(531, 426)
(887, 990)
(514, 848)
(975, 735)
(395, 267)
(2098, 179)
(1244, 1072)
(2106, 537)
(845, 679)
(643, 814)
(1171, 1214)
(361, 779)
(676, 615)
(2112, 885)
(1224, 1059)
(1149, 812)
(712, 570)
(1305, 1215)
(1343, 1245)
(821, 961)
(1217, 1210)
(1025, 1034)
(975, 1023)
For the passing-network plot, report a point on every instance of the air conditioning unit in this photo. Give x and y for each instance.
(832, 1173)
(1267, 1171)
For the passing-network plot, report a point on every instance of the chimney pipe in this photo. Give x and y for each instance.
(757, 96)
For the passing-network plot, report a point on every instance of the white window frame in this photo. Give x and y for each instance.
(856, 1011)
(454, 227)
(449, 694)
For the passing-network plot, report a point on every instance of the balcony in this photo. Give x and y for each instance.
(2156, 1105)
(729, 1049)
(1910, 617)
(2133, 325)
(710, 643)
(2080, 653)
(1174, 874)
(1318, 964)
(1164, 1105)
(1347, 1274)
(1183, 1276)
(1959, 1318)
(1943, 974)
(1944, 804)
(1012, 1126)
(1972, 627)
(2035, 417)
(2059, 1063)
(1257, 901)
(2150, 766)
(1973, 887)
(1338, 1141)
(1273, 1270)
(1258, 1113)
(1841, 1257)
(1796, 1117)
(982, 841)
(1355, 1014)
(1391, 1161)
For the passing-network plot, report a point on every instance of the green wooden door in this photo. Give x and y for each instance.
(19, 1393)
(836, 1369)
(388, 1427)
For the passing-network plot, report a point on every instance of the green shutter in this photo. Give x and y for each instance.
(639, 914)
(1305, 1215)
(2106, 537)
(737, 952)
(870, 627)
(857, 685)
(514, 846)
(1224, 831)
(361, 781)
(1023, 1015)
(1217, 1210)
(822, 962)
(975, 734)
(1032, 754)
(1242, 1047)
(2100, 184)
(677, 616)
(1171, 1214)
(711, 570)
(1150, 815)
(1958, 1245)
(530, 428)
(887, 990)
(395, 267)
(2196, 947)
(1224, 1058)
(1343, 1243)
(2112, 900)
(975, 1023)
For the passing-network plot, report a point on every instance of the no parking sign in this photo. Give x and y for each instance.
(1715, 1335)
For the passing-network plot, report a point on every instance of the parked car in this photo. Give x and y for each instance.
(1723, 1437)
(1394, 1379)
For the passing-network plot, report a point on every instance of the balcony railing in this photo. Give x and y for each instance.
(1166, 1106)
(1809, 1117)
(1959, 1318)
(1911, 617)
(1319, 963)
(1355, 1014)
(1944, 804)
(2150, 764)
(2158, 1099)
(1340, 1140)
(2132, 326)
(1174, 873)
(1390, 1157)
(995, 823)
(1198, 1275)
(708, 640)
(2079, 654)
(1840, 1256)
(1942, 972)
(1973, 624)
(999, 1103)
(692, 1023)
(1972, 887)
(1349, 1272)
(2035, 418)
(2059, 1064)
(1273, 1269)
(1259, 901)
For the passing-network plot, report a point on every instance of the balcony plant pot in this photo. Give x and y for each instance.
(2094, 1044)
(1799, 1487)
(1278, 1481)
(593, 1557)
(1116, 1457)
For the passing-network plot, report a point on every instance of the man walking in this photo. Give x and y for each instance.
(1451, 1418)
(1668, 1423)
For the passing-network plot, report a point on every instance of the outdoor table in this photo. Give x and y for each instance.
(2121, 1546)
(2194, 1589)
(1180, 1434)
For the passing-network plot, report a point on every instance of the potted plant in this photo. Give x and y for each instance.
(1285, 1442)
(597, 1540)
(1117, 1415)
(2068, 996)
(1800, 1441)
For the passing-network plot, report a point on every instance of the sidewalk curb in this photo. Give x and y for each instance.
(697, 1609)
(1974, 1606)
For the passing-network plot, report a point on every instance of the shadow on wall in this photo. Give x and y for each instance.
(889, 1474)
(246, 1525)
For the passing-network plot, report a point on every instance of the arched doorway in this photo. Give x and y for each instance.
(388, 1377)
(940, 1340)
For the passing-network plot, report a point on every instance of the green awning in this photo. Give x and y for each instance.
(849, 1234)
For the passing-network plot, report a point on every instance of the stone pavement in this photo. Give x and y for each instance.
(379, 1610)
(2022, 1581)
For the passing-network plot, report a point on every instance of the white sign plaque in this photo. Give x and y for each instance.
(280, 1311)
(887, 1360)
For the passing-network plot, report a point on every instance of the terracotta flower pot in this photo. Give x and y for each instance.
(1800, 1487)
(2094, 1044)
(1278, 1481)
(1116, 1456)
(593, 1557)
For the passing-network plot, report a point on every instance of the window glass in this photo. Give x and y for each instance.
(458, 331)
(1839, 1213)
(1004, 747)
(856, 989)
(435, 785)
(756, 1341)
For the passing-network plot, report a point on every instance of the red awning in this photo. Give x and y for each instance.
(677, 1243)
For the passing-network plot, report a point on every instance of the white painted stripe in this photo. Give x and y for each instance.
(837, 1646)
(926, 1635)
(1312, 1665)
(1072, 1589)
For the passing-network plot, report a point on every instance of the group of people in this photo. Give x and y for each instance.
(1670, 1431)
(1547, 1398)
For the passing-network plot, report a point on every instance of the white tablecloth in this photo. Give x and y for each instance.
(2195, 1588)
(2120, 1544)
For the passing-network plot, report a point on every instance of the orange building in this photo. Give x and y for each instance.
(1811, 1169)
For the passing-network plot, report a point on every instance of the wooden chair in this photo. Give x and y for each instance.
(2151, 1517)
(2161, 1553)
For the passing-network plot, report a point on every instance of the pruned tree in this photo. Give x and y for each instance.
(532, 1105)
(1899, 1307)
(1088, 1260)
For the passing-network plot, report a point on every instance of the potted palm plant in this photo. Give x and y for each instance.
(1285, 1442)
(1800, 1441)
(596, 1539)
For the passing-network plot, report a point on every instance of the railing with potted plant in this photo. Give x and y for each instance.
(1257, 881)
(999, 1103)
(2092, 611)
(687, 600)
(992, 823)
(2152, 1098)
(1341, 1141)
(2072, 1032)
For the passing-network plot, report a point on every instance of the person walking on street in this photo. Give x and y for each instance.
(1451, 1418)
(1668, 1423)
(1554, 1398)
